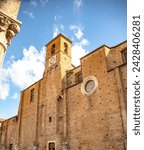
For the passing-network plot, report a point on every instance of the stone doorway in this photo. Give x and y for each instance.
(11, 147)
(51, 146)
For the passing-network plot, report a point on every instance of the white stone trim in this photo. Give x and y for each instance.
(84, 83)
(50, 142)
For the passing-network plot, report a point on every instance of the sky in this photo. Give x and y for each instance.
(88, 24)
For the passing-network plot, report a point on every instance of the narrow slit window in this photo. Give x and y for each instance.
(124, 53)
(65, 48)
(31, 95)
(78, 77)
(11, 147)
(50, 119)
(53, 49)
(60, 108)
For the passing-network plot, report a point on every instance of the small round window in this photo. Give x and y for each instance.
(89, 85)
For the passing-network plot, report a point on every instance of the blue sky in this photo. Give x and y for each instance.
(89, 24)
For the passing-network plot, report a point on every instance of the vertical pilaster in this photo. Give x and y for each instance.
(122, 101)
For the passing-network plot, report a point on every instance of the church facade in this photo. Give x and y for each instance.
(73, 108)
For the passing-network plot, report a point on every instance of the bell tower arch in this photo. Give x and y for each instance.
(58, 51)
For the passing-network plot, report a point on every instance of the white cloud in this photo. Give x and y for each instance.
(28, 13)
(15, 96)
(57, 17)
(34, 3)
(79, 48)
(44, 2)
(29, 69)
(77, 52)
(77, 31)
(78, 3)
(55, 31)
(4, 84)
(22, 72)
(79, 34)
(57, 28)
(62, 27)
(84, 42)
(37, 2)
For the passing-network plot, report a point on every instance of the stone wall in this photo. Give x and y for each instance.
(28, 118)
(59, 110)
(95, 121)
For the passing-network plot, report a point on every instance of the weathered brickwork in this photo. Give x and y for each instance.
(73, 108)
(29, 116)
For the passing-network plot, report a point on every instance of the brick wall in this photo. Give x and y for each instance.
(29, 117)
(95, 121)
(60, 112)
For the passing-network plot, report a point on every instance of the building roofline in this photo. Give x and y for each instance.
(2, 119)
(119, 44)
(93, 51)
(101, 47)
(59, 36)
(31, 85)
(10, 118)
(79, 66)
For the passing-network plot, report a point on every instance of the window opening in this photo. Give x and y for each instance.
(11, 146)
(51, 146)
(125, 56)
(65, 48)
(31, 95)
(78, 77)
(50, 119)
(53, 49)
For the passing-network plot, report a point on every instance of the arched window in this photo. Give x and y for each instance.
(65, 48)
(53, 49)
(42, 118)
(60, 106)
(125, 56)
(60, 109)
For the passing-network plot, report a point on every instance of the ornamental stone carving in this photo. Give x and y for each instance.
(8, 29)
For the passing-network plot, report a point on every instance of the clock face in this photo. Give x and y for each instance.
(52, 60)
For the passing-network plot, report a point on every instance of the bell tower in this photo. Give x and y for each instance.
(9, 25)
(58, 51)
(58, 61)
